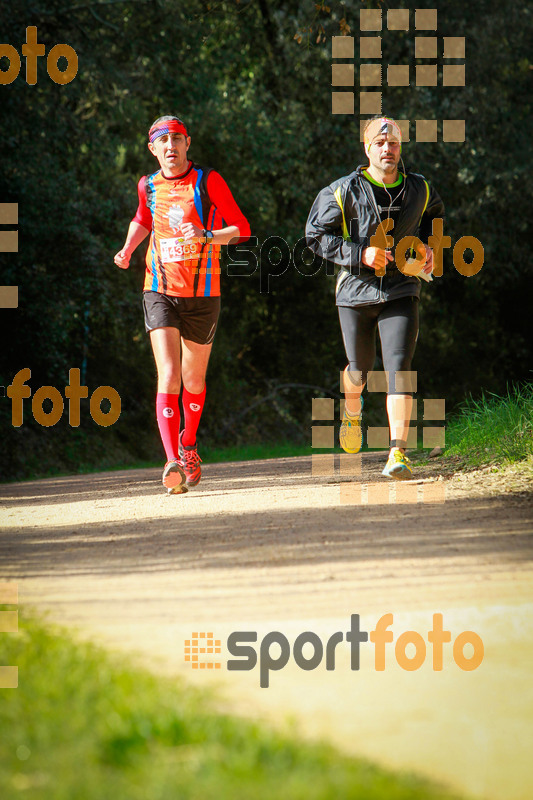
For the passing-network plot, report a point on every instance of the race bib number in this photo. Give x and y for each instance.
(177, 250)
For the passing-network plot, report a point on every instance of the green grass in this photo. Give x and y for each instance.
(82, 725)
(493, 429)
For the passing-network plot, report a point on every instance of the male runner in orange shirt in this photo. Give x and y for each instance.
(189, 212)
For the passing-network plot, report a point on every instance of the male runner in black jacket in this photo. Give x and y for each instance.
(371, 291)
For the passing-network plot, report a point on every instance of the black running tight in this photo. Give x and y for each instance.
(397, 322)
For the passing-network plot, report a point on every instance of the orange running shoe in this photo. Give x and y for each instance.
(190, 461)
(174, 477)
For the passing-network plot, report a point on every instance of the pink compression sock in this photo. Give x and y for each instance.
(168, 419)
(193, 405)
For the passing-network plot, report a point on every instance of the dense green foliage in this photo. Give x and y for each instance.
(494, 429)
(81, 725)
(258, 104)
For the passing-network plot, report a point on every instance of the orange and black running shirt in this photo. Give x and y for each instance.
(201, 196)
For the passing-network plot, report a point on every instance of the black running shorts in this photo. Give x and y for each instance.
(195, 317)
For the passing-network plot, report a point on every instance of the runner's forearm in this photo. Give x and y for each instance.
(136, 234)
(225, 235)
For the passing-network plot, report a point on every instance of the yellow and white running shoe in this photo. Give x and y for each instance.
(397, 466)
(351, 432)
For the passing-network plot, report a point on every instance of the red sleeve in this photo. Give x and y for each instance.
(222, 198)
(143, 215)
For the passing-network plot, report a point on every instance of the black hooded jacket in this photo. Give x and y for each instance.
(356, 283)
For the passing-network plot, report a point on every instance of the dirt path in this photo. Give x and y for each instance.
(266, 546)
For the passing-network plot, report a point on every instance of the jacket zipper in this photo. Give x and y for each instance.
(373, 201)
